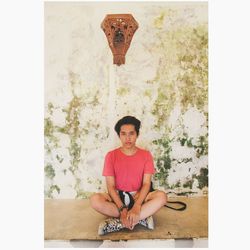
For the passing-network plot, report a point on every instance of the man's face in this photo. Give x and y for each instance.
(128, 136)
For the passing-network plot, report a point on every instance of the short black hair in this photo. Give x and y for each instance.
(128, 120)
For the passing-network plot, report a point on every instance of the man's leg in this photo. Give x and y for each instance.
(103, 204)
(153, 202)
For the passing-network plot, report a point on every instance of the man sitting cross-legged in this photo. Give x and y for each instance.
(128, 169)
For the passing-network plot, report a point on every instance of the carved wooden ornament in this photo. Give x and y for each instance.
(119, 30)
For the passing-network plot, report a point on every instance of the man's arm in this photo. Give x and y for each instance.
(144, 189)
(134, 214)
(110, 180)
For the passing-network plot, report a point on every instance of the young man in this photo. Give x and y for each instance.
(128, 168)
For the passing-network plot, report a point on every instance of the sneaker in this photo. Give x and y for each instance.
(148, 222)
(110, 225)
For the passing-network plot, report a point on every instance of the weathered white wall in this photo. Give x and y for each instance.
(164, 83)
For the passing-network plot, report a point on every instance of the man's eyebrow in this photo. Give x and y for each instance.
(124, 132)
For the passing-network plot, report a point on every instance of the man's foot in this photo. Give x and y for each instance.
(110, 225)
(148, 222)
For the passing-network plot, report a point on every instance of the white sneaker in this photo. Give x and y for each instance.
(148, 222)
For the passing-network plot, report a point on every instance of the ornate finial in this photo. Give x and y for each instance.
(119, 30)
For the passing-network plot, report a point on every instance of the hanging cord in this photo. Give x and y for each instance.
(183, 205)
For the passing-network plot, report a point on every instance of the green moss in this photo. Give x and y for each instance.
(202, 147)
(49, 130)
(60, 159)
(184, 160)
(75, 153)
(48, 127)
(49, 171)
(50, 108)
(49, 193)
(158, 21)
(186, 141)
(202, 178)
(164, 104)
(177, 184)
(73, 130)
(148, 93)
(89, 181)
(163, 161)
(122, 91)
(72, 117)
(182, 74)
(83, 195)
(96, 182)
(193, 60)
(188, 184)
(47, 148)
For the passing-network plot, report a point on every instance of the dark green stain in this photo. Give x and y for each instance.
(188, 184)
(163, 161)
(201, 147)
(202, 178)
(60, 159)
(49, 171)
(83, 194)
(50, 108)
(49, 193)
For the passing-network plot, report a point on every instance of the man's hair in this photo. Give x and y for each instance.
(128, 120)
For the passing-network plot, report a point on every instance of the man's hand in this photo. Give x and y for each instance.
(133, 215)
(123, 218)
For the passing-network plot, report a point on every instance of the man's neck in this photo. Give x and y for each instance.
(129, 151)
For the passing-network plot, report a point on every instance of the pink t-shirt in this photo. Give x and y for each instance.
(128, 170)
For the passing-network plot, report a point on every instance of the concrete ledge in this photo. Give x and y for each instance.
(75, 220)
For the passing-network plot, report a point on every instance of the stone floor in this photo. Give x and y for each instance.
(67, 220)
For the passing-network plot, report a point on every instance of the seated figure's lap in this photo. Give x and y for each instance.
(149, 196)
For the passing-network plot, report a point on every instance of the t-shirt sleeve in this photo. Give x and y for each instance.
(149, 165)
(108, 169)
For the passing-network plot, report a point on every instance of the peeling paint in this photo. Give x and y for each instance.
(164, 83)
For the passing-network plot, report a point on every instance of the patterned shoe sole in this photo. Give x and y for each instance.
(109, 225)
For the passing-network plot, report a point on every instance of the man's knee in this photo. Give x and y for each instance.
(95, 200)
(162, 196)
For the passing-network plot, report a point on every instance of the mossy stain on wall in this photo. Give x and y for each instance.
(49, 171)
(163, 161)
(202, 178)
(182, 74)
